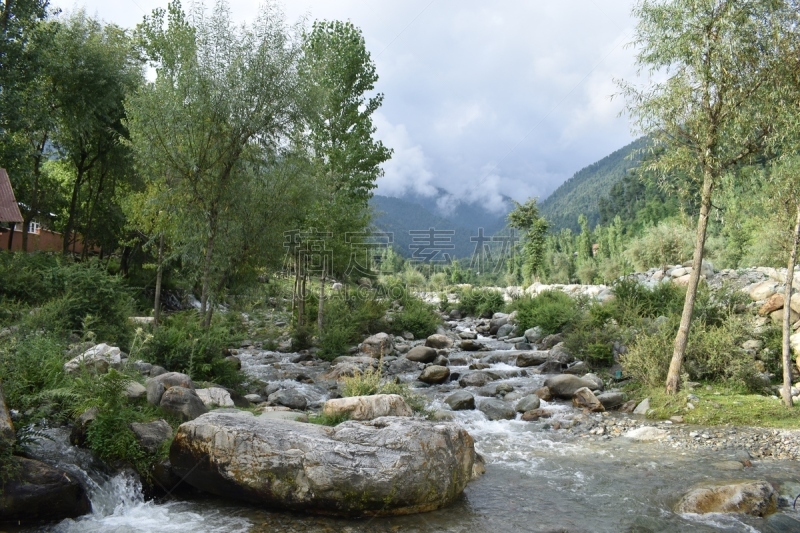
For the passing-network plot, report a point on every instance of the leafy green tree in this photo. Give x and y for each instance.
(336, 74)
(525, 217)
(215, 122)
(708, 115)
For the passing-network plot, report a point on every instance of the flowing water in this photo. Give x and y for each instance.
(537, 479)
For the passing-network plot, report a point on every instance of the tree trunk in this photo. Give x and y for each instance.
(786, 392)
(26, 224)
(11, 236)
(72, 207)
(681, 339)
(207, 279)
(320, 307)
(159, 273)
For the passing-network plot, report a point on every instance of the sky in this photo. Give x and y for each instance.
(481, 99)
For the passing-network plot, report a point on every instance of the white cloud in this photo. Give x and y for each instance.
(407, 171)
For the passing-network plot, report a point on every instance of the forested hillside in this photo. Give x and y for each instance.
(579, 194)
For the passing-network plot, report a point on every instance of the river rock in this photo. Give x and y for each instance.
(434, 374)
(460, 401)
(368, 407)
(384, 467)
(564, 386)
(135, 390)
(533, 335)
(646, 433)
(183, 403)
(772, 304)
(550, 367)
(598, 383)
(756, 498)
(532, 358)
(468, 335)
(536, 414)
(421, 354)
(438, 341)
(544, 393)
(499, 320)
(475, 379)
(378, 345)
(158, 385)
(763, 290)
(584, 398)
(401, 365)
(505, 330)
(215, 397)
(290, 398)
(41, 492)
(496, 409)
(528, 403)
(560, 353)
(151, 435)
(97, 359)
(469, 345)
(643, 407)
(611, 400)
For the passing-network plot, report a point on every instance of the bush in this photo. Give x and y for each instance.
(29, 278)
(550, 310)
(668, 243)
(419, 318)
(634, 300)
(182, 344)
(29, 366)
(371, 382)
(591, 336)
(480, 302)
(346, 320)
(647, 361)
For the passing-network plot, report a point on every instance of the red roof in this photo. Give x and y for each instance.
(9, 210)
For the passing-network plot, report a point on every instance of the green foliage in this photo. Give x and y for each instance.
(416, 316)
(552, 311)
(29, 366)
(525, 217)
(633, 300)
(347, 320)
(480, 302)
(591, 336)
(328, 420)
(667, 243)
(182, 344)
(371, 382)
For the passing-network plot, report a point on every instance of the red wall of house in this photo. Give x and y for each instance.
(44, 241)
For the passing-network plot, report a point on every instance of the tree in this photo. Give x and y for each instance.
(337, 73)
(525, 217)
(215, 121)
(709, 115)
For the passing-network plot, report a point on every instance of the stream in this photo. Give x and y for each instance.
(538, 479)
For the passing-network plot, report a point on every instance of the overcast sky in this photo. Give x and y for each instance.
(481, 98)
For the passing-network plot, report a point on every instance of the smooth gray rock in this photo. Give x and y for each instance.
(421, 354)
(434, 374)
(599, 385)
(438, 341)
(183, 403)
(564, 385)
(469, 345)
(611, 400)
(528, 403)
(533, 335)
(532, 358)
(643, 407)
(474, 379)
(290, 398)
(441, 361)
(378, 345)
(135, 390)
(383, 467)
(496, 409)
(152, 435)
(157, 385)
(505, 330)
(550, 367)
(460, 401)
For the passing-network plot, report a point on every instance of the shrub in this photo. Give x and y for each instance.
(591, 336)
(346, 320)
(480, 302)
(371, 382)
(29, 366)
(29, 278)
(182, 344)
(668, 243)
(647, 360)
(550, 310)
(419, 318)
(634, 300)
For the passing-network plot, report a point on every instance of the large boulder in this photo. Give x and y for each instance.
(183, 403)
(384, 467)
(763, 290)
(151, 435)
(215, 397)
(611, 400)
(532, 358)
(475, 379)
(378, 345)
(434, 374)
(564, 385)
(97, 359)
(157, 385)
(41, 493)
(421, 354)
(439, 341)
(470, 345)
(368, 407)
(528, 403)
(460, 401)
(757, 498)
(497, 409)
(290, 398)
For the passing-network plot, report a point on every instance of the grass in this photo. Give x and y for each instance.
(721, 406)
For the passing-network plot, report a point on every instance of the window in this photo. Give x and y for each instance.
(34, 227)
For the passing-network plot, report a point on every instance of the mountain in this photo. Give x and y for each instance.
(580, 193)
(452, 232)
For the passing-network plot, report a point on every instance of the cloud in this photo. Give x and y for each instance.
(407, 171)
